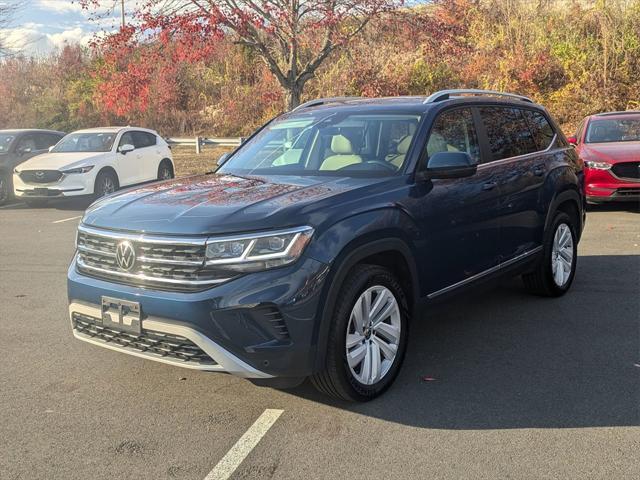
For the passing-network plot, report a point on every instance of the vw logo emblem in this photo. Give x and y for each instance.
(125, 255)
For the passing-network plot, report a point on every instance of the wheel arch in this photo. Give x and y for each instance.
(384, 250)
(570, 202)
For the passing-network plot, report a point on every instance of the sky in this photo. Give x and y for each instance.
(42, 26)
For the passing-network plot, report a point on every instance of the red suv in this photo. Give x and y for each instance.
(609, 145)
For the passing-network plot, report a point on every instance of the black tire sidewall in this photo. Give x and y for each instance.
(559, 219)
(5, 189)
(357, 282)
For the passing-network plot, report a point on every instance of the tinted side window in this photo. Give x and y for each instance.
(45, 140)
(143, 139)
(126, 139)
(540, 128)
(454, 131)
(508, 132)
(27, 144)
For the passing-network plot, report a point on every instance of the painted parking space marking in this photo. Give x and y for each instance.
(234, 457)
(68, 219)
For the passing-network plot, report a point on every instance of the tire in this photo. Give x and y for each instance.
(547, 280)
(6, 188)
(106, 183)
(165, 170)
(355, 382)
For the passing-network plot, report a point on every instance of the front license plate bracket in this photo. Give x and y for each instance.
(121, 315)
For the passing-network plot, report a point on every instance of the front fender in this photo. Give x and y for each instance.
(347, 243)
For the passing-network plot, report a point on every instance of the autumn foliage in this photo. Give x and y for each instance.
(171, 73)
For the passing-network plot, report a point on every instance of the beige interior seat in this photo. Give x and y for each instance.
(437, 143)
(397, 159)
(343, 155)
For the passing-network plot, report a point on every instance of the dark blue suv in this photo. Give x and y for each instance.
(311, 249)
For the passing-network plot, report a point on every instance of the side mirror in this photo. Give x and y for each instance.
(51, 147)
(24, 151)
(126, 148)
(572, 140)
(450, 165)
(223, 158)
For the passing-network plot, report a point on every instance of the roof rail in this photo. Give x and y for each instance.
(621, 112)
(322, 101)
(446, 94)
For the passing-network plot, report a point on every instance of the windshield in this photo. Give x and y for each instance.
(5, 142)
(614, 130)
(86, 142)
(324, 143)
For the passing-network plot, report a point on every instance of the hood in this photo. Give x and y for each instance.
(611, 152)
(62, 160)
(214, 204)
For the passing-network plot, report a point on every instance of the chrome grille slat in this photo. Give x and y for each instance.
(159, 264)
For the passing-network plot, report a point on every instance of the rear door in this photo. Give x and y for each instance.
(458, 216)
(517, 140)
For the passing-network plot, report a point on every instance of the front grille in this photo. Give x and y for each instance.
(627, 170)
(40, 176)
(152, 343)
(175, 264)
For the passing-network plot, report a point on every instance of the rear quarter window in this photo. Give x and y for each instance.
(541, 129)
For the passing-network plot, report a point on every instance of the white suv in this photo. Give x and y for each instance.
(96, 161)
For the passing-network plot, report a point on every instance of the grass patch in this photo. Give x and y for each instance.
(187, 162)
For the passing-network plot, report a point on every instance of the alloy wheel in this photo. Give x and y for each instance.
(165, 173)
(108, 186)
(562, 255)
(373, 335)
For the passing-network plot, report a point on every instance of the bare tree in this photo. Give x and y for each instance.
(8, 11)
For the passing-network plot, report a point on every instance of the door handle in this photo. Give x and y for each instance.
(489, 186)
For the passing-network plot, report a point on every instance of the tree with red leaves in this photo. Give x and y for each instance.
(293, 37)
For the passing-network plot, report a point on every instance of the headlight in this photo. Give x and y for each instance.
(597, 165)
(78, 170)
(260, 251)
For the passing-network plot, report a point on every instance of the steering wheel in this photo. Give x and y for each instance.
(386, 165)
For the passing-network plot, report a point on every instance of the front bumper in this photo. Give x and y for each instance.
(68, 186)
(259, 326)
(603, 186)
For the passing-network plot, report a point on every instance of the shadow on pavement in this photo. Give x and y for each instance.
(504, 359)
(632, 207)
(71, 204)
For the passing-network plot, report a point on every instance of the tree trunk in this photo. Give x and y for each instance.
(294, 92)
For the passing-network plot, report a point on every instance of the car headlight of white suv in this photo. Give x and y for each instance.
(78, 170)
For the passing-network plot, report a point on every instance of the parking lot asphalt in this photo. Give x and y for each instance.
(495, 385)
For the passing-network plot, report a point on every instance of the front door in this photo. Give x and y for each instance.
(458, 217)
(130, 165)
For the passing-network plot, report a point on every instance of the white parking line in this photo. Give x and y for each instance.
(67, 219)
(234, 457)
